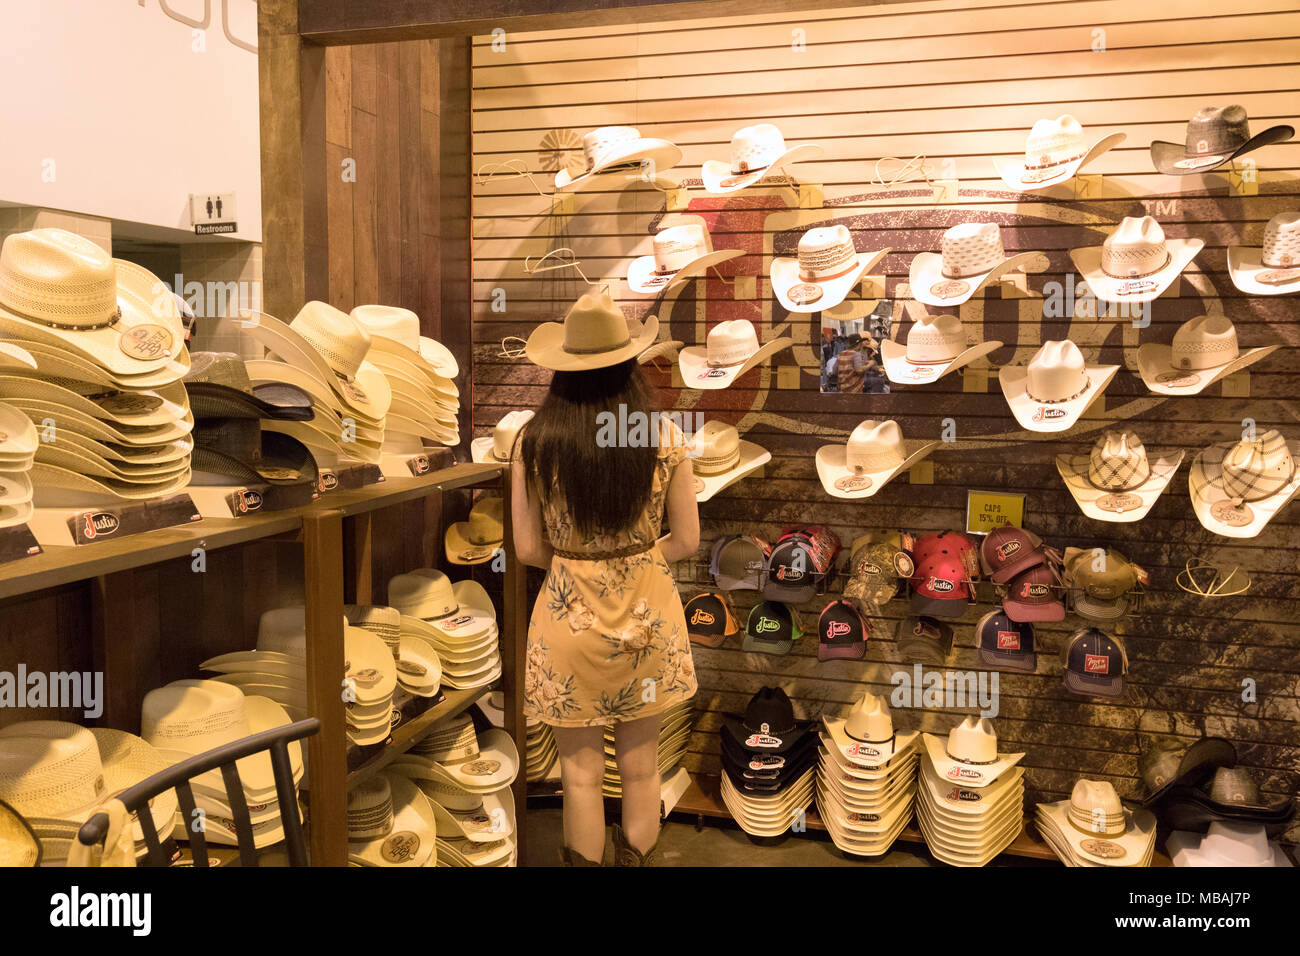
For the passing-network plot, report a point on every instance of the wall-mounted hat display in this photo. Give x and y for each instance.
(594, 334)
(1008, 550)
(1215, 136)
(971, 256)
(798, 562)
(680, 253)
(935, 346)
(876, 569)
(1136, 262)
(500, 444)
(1101, 585)
(720, 457)
(842, 632)
(946, 562)
(739, 562)
(756, 151)
(1203, 351)
(1272, 268)
(875, 453)
(730, 350)
(1055, 388)
(1034, 595)
(825, 270)
(1094, 663)
(1055, 150)
(1092, 828)
(1116, 481)
(1237, 487)
(618, 149)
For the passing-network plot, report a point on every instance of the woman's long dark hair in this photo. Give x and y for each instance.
(605, 485)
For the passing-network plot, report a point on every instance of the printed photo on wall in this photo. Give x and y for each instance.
(851, 350)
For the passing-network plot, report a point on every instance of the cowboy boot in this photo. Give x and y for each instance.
(627, 855)
(573, 858)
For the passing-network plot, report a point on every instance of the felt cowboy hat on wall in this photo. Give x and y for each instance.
(611, 149)
(595, 334)
(935, 346)
(1136, 262)
(825, 270)
(1215, 136)
(1116, 481)
(1055, 388)
(1272, 268)
(731, 349)
(1055, 150)
(874, 455)
(755, 151)
(680, 253)
(1203, 351)
(971, 255)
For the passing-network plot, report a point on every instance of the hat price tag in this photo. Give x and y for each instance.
(1087, 185)
(1236, 385)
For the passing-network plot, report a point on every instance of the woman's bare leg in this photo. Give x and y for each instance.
(636, 749)
(582, 766)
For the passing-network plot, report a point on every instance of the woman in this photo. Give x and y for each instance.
(607, 641)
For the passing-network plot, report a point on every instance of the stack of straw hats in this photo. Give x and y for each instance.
(1093, 828)
(390, 823)
(458, 620)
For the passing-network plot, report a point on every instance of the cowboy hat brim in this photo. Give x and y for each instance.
(1215, 509)
(840, 480)
(752, 458)
(858, 844)
(957, 801)
(1155, 365)
(278, 400)
(161, 409)
(461, 550)
(282, 460)
(1102, 504)
(399, 425)
(413, 821)
(545, 348)
(1013, 174)
(19, 846)
(55, 487)
(57, 362)
(659, 154)
(929, 285)
(1037, 416)
(666, 349)
(433, 359)
(1246, 266)
(969, 847)
(693, 362)
(416, 654)
(1172, 159)
(786, 278)
(885, 809)
(867, 780)
(480, 451)
(902, 372)
(975, 776)
(66, 417)
(325, 447)
(490, 823)
(720, 180)
(407, 380)
(1109, 289)
(866, 754)
(15, 489)
(642, 277)
(20, 359)
(20, 439)
(85, 461)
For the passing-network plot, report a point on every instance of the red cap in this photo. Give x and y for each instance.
(1008, 550)
(942, 578)
(1034, 595)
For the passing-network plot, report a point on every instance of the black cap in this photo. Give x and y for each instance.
(772, 628)
(1005, 644)
(842, 632)
(768, 726)
(1095, 664)
(708, 619)
(791, 574)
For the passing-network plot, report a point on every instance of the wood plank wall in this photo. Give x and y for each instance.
(959, 82)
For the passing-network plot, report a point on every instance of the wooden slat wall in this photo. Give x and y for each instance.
(960, 82)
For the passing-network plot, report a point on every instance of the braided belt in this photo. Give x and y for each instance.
(628, 551)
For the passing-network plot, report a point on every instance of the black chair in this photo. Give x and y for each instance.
(136, 799)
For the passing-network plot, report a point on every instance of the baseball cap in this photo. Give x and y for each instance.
(798, 562)
(1095, 663)
(875, 568)
(772, 628)
(1034, 595)
(945, 562)
(842, 632)
(1004, 644)
(737, 562)
(1100, 583)
(768, 726)
(708, 619)
(924, 640)
(1008, 550)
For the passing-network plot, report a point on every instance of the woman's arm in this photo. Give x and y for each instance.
(531, 546)
(683, 538)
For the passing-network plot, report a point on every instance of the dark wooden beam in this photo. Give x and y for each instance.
(455, 258)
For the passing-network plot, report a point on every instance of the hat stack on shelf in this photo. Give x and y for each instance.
(866, 778)
(542, 757)
(768, 763)
(189, 717)
(419, 669)
(390, 823)
(457, 620)
(971, 798)
(467, 776)
(675, 727)
(324, 352)
(18, 444)
(94, 359)
(1093, 828)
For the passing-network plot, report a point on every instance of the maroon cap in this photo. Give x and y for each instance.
(1008, 550)
(1034, 595)
(940, 584)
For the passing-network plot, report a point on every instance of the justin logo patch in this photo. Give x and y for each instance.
(702, 617)
(1096, 664)
(1044, 414)
(1007, 549)
(837, 629)
(949, 289)
(939, 585)
(1034, 590)
(762, 740)
(965, 773)
(766, 625)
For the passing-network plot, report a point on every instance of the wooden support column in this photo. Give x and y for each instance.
(455, 246)
(113, 634)
(514, 640)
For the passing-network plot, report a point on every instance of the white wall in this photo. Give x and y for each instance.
(115, 108)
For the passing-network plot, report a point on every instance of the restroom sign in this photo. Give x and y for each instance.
(212, 213)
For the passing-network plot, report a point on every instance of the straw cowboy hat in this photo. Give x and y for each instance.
(1135, 263)
(63, 290)
(1055, 388)
(680, 253)
(165, 411)
(500, 444)
(55, 486)
(1237, 487)
(333, 348)
(971, 256)
(419, 667)
(731, 349)
(1203, 351)
(720, 457)
(429, 595)
(19, 846)
(755, 151)
(18, 438)
(477, 539)
(390, 823)
(1272, 268)
(622, 149)
(455, 752)
(219, 387)
(237, 451)
(874, 454)
(866, 736)
(55, 361)
(935, 346)
(1215, 136)
(825, 270)
(395, 338)
(970, 757)
(1116, 481)
(1054, 151)
(594, 334)
(1092, 828)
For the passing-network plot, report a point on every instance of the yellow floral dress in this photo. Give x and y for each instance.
(607, 640)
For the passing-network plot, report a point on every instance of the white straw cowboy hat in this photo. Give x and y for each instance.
(429, 595)
(19, 846)
(491, 820)
(825, 269)
(720, 457)
(970, 756)
(680, 253)
(1237, 487)
(390, 823)
(1136, 262)
(1203, 351)
(1272, 268)
(595, 334)
(611, 149)
(59, 487)
(874, 454)
(1226, 843)
(866, 736)
(419, 667)
(755, 151)
(1093, 828)
(63, 290)
(395, 333)
(935, 346)
(1116, 481)
(329, 344)
(1215, 136)
(477, 539)
(165, 409)
(1055, 150)
(1055, 388)
(18, 438)
(956, 803)
(971, 256)
(500, 444)
(477, 763)
(731, 349)
(55, 361)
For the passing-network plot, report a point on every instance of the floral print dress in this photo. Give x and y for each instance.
(607, 640)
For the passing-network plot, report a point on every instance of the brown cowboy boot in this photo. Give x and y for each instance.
(627, 855)
(573, 858)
